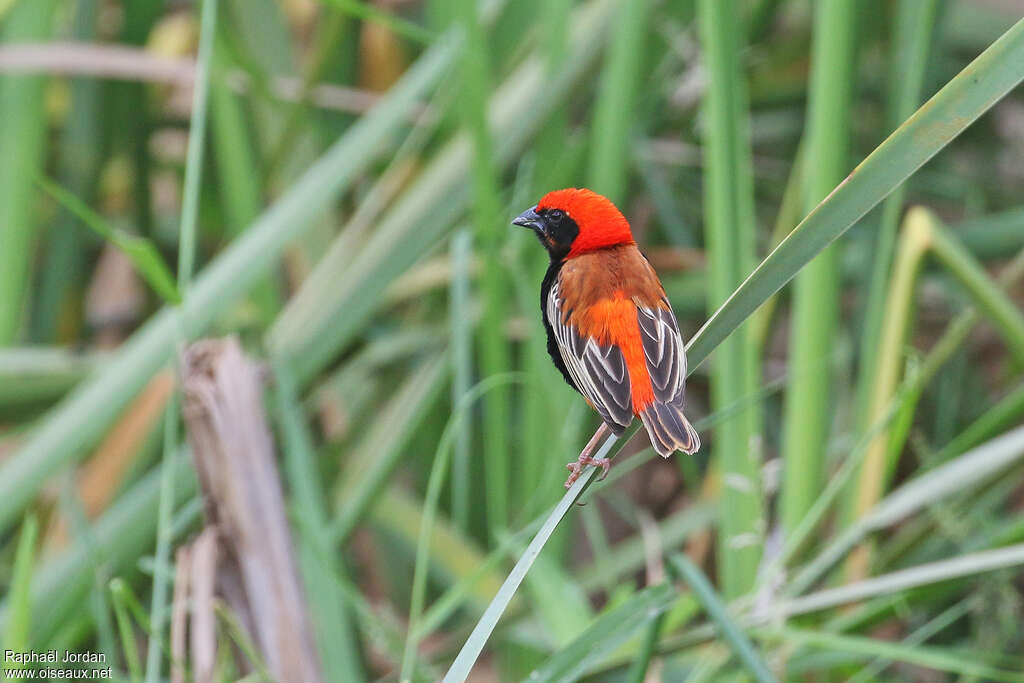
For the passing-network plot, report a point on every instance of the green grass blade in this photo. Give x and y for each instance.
(999, 417)
(379, 452)
(971, 93)
(82, 417)
(239, 636)
(17, 630)
(431, 204)
(125, 629)
(486, 213)
(456, 558)
(615, 106)
(637, 671)
(915, 25)
(627, 557)
(604, 634)
(901, 404)
(815, 318)
(321, 567)
(922, 234)
(23, 141)
(370, 12)
(729, 238)
(36, 375)
(62, 584)
(142, 253)
(957, 475)
(462, 370)
(438, 473)
(994, 235)
(81, 157)
(196, 144)
(1003, 311)
(929, 657)
(719, 614)
(919, 636)
(237, 170)
(905, 579)
(163, 577)
(474, 645)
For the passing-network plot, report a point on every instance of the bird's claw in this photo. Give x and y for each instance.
(574, 468)
(577, 467)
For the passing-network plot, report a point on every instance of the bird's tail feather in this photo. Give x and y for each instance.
(669, 429)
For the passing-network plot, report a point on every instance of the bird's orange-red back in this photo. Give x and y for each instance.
(601, 224)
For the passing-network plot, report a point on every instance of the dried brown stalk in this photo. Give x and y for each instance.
(254, 565)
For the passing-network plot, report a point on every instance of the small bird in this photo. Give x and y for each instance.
(611, 330)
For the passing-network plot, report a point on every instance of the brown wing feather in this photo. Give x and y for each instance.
(597, 370)
(663, 350)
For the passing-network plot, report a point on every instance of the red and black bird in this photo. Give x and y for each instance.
(611, 330)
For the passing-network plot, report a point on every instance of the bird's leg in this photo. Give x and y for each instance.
(575, 468)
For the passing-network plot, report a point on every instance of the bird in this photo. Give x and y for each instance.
(611, 331)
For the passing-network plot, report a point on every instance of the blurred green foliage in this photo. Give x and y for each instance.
(860, 482)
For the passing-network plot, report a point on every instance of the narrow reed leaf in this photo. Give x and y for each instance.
(377, 455)
(368, 11)
(918, 636)
(120, 536)
(438, 474)
(240, 637)
(456, 559)
(1004, 313)
(922, 235)
(638, 669)
(605, 633)
(196, 145)
(615, 105)
(63, 258)
(807, 412)
(956, 476)
(904, 579)
(23, 141)
(82, 417)
(41, 374)
(17, 630)
(940, 659)
(627, 556)
(462, 369)
(474, 645)
(486, 213)
(996, 418)
(970, 94)
(427, 208)
(142, 253)
(126, 630)
(163, 576)
(322, 569)
(237, 170)
(729, 237)
(903, 403)
(910, 45)
(717, 611)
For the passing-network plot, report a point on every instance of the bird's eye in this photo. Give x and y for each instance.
(556, 215)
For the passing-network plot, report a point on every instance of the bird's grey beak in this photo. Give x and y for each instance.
(529, 219)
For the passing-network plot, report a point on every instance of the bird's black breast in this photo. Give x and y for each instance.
(556, 355)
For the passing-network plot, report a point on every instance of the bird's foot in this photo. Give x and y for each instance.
(575, 468)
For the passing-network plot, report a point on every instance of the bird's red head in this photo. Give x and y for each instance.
(574, 221)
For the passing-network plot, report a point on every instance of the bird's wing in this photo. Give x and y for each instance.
(598, 370)
(663, 350)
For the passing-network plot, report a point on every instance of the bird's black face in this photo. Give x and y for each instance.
(555, 230)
